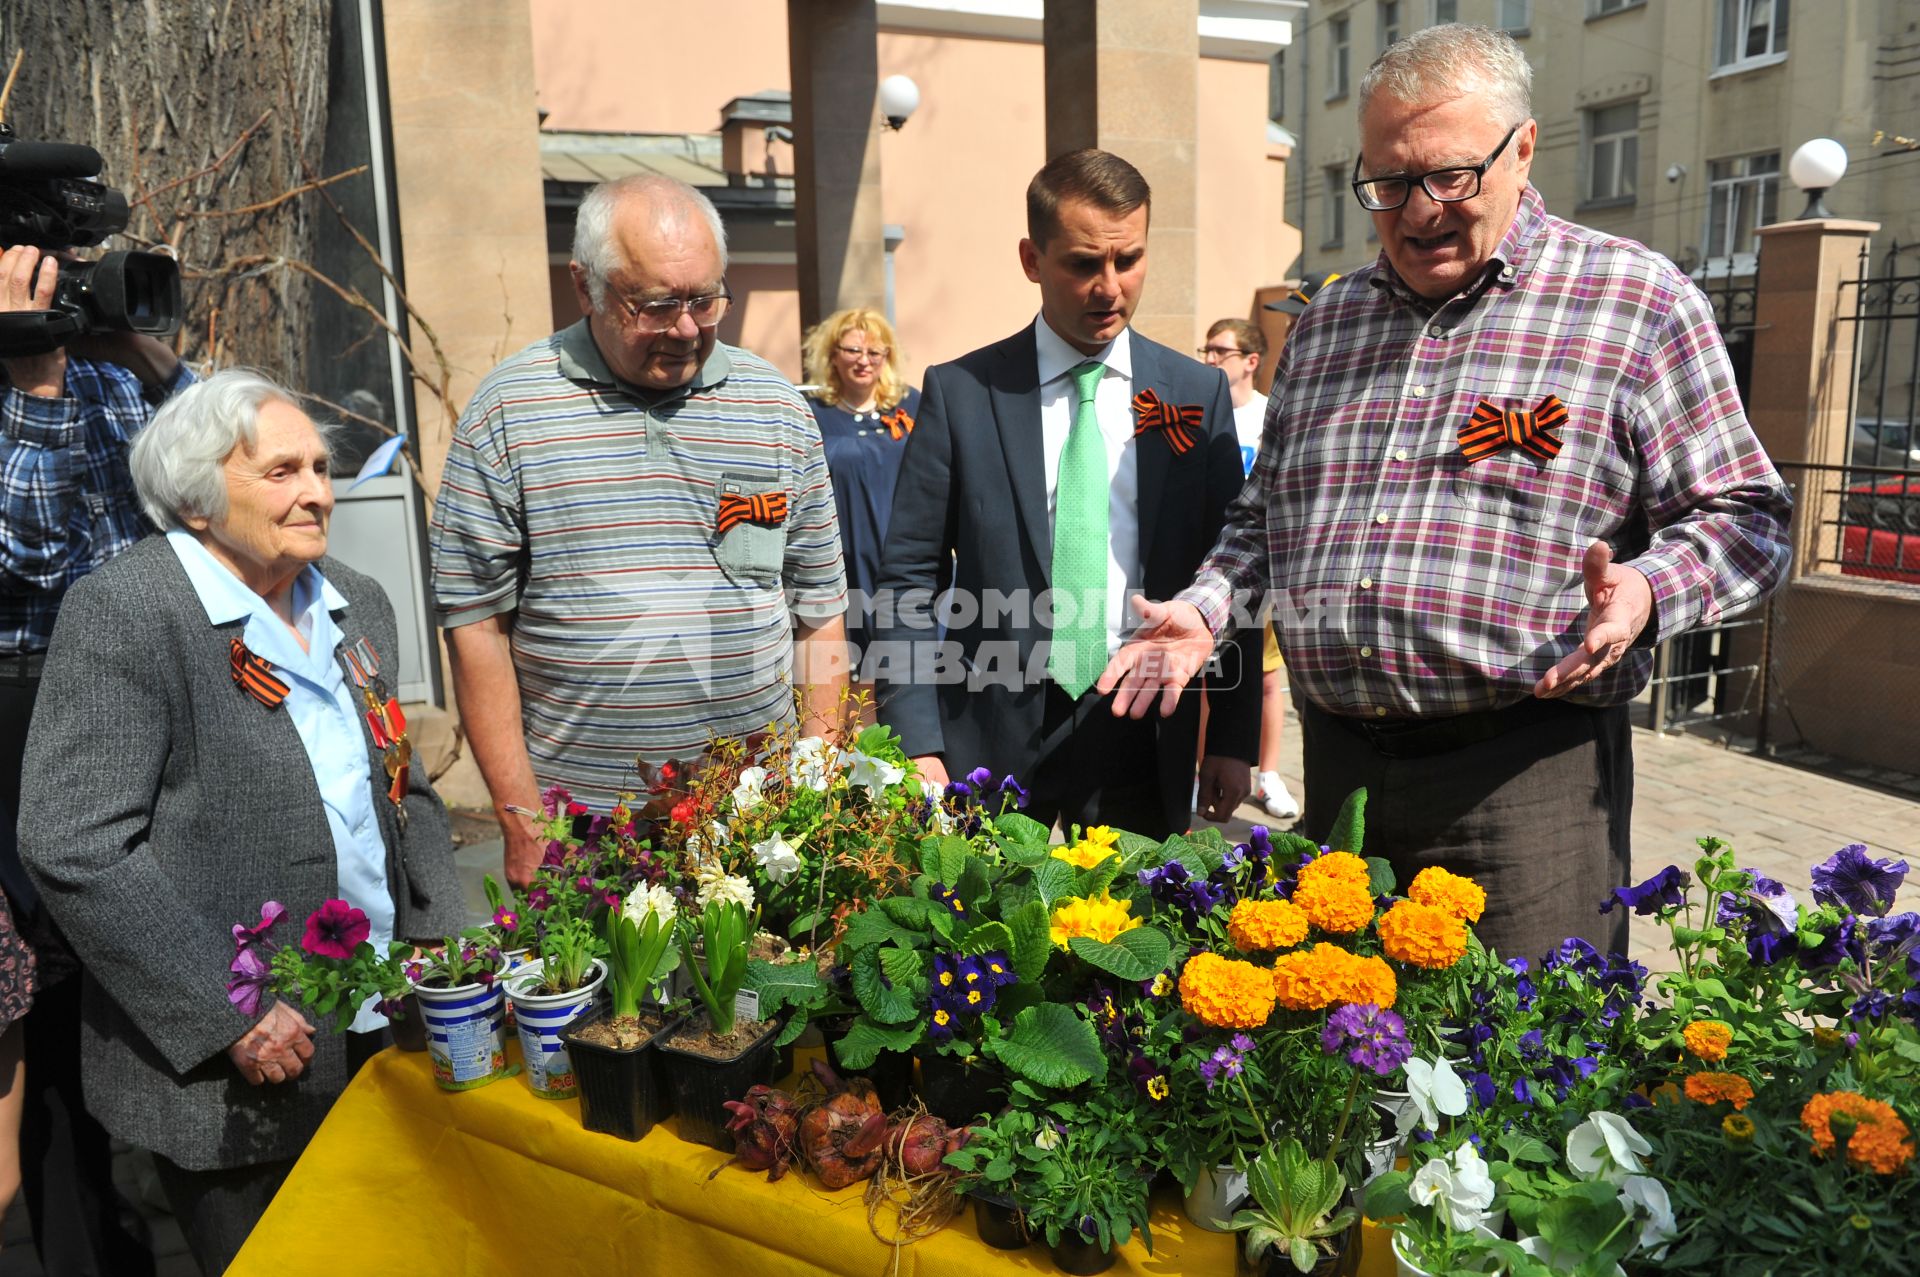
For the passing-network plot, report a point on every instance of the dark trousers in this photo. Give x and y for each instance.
(66, 1159)
(1099, 770)
(217, 1209)
(1539, 815)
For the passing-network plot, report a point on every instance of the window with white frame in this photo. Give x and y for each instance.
(1513, 15)
(1751, 31)
(1601, 8)
(1389, 23)
(1742, 193)
(1613, 151)
(1446, 11)
(1339, 40)
(1335, 231)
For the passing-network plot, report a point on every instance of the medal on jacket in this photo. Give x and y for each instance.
(385, 721)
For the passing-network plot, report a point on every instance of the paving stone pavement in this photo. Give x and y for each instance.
(1782, 819)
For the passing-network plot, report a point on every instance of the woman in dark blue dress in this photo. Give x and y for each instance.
(865, 413)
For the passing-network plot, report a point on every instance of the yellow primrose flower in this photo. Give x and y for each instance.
(1095, 845)
(1099, 917)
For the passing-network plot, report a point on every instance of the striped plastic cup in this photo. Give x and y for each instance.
(540, 1017)
(466, 1033)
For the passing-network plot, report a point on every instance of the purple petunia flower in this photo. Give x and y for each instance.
(1485, 1092)
(1665, 890)
(1573, 952)
(1522, 981)
(1521, 1091)
(270, 915)
(1851, 879)
(1770, 913)
(335, 930)
(539, 898)
(1840, 942)
(1871, 1005)
(1372, 1038)
(554, 799)
(251, 975)
(1886, 935)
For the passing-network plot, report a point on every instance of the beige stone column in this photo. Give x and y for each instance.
(838, 230)
(1122, 75)
(1804, 358)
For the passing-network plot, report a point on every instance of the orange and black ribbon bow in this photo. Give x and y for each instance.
(256, 678)
(1182, 422)
(899, 425)
(768, 509)
(1490, 429)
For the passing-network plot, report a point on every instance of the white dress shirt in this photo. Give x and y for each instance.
(1249, 420)
(1113, 408)
(325, 710)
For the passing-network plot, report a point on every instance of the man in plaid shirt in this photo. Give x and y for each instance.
(67, 505)
(1502, 463)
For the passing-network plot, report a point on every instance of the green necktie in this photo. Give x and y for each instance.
(1079, 650)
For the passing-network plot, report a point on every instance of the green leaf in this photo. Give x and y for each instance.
(944, 859)
(1907, 1049)
(1380, 877)
(1291, 847)
(784, 984)
(1050, 1045)
(906, 970)
(1350, 826)
(1023, 832)
(865, 1040)
(795, 1027)
(1304, 1254)
(987, 937)
(1055, 880)
(1522, 1148)
(1139, 954)
(1032, 940)
(871, 928)
(893, 1005)
(911, 911)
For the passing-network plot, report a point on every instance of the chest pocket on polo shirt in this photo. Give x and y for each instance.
(750, 524)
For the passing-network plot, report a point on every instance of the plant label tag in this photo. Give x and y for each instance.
(746, 1004)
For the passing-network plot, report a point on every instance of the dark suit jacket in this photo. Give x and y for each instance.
(971, 508)
(159, 805)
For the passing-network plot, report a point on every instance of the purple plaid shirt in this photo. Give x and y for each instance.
(1409, 583)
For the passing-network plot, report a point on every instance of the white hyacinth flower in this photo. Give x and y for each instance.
(779, 860)
(750, 792)
(726, 889)
(1458, 1187)
(650, 898)
(1606, 1147)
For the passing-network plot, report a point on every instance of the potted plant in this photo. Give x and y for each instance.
(1093, 1196)
(550, 993)
(717, 1055)
(1298, 1222)
(1001, 1163)
(464, 1010)
(611, 1054)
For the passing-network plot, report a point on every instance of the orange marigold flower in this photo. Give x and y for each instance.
(1337, 866)
(1711, 1088)
(1256, 925)
(1708, 1039)
(1312, 979)
(1462, 897)
(1879, 1141)
(1365, 980)
(1226, 993)
(1423, 935)
(1334, 904)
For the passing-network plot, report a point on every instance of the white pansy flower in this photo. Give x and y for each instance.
(941, 821)
(776, 858)
(750, 792)
(712, 839)
(1606, 1147)
(1560, 1261)
(651, 898)
(873, 774)
(1435, 1089)
(726, 889)
(1459, 1188)
(1049, 1138)
(812, 763)
(1645, 1195)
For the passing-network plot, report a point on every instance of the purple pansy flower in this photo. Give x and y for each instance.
(1665, 890)
(1851, 879)
(1372, 1038)
(1014, 790)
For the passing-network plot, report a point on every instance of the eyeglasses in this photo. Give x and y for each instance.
(660, 315)
(877, 355)
(1220, 352)
(1442, 185)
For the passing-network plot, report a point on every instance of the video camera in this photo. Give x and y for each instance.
(48, 199)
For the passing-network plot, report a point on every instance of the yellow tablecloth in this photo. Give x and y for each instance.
(408, 1179)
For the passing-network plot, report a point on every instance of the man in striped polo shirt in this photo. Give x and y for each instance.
(634, 546)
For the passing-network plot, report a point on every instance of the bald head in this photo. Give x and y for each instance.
(638, 212)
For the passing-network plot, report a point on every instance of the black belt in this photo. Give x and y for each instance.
(22, 669)
(1424, 737)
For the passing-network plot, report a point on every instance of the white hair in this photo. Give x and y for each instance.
(1450, 60)
(178, 461)
(593, 245)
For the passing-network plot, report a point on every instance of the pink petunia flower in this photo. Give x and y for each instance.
(270, 914)
(335, 930)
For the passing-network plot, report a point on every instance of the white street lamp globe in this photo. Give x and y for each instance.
(899, 97)
(1818, 164)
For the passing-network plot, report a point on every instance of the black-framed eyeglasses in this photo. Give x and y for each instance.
(1222, 353)
(1442, 185)
(663, 313)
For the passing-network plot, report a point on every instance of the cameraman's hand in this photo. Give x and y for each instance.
(151, 360)
(27, 278)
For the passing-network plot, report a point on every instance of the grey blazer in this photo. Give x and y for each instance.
(160, 804)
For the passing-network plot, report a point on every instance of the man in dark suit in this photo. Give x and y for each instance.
(1049, 479)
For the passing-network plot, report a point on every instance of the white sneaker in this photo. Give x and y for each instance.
(1273, 795)
(1195, 804)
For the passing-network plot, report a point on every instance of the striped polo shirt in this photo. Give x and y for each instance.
(589, 506)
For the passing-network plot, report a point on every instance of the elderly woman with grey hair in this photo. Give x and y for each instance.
(214, 731)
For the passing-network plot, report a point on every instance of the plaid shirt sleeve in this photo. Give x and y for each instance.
(1237, 567)
(39, 482)
(813, 574)
(1718, 509)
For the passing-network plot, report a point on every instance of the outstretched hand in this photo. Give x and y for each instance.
(1619, 605)
(1169, 648)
